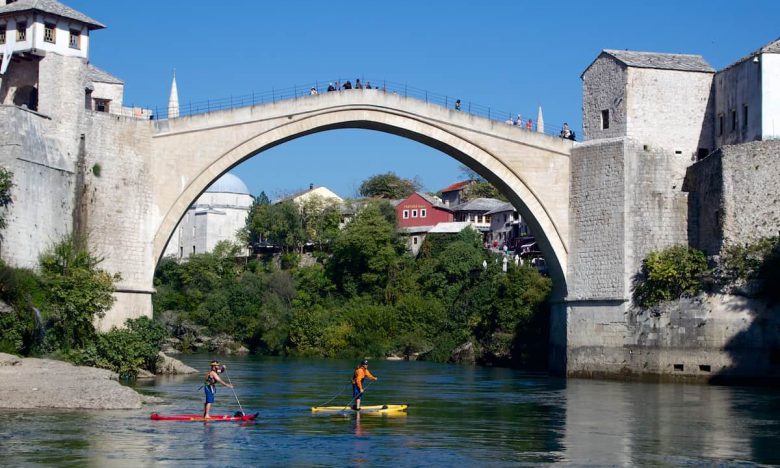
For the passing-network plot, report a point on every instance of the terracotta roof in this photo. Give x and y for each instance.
(457, 186)
(52, 7)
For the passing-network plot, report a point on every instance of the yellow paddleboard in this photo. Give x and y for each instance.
(376, 409)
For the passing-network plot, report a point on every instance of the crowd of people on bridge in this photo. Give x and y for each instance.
(518, 121)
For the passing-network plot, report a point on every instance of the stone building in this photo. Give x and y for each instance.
(745, 103)
(636, 187)
(216, 216)
(44, 48)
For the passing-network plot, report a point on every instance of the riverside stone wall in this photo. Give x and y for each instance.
(735, 195)
(44, 179)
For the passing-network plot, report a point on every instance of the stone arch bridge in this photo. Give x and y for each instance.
(152, 171)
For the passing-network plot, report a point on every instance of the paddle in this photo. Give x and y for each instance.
(336, 395)
(234, 392)
(359, 394)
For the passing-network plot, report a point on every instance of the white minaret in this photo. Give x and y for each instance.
(173, 101)
(540, 121)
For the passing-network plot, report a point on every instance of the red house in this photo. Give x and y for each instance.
(419, 209)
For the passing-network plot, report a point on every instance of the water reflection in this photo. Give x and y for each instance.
(458, 416)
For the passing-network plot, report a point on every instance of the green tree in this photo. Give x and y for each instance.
(479, 188)
(365, 253)
(320, 219)
(389, 186)
(78, 293)
(279, 224)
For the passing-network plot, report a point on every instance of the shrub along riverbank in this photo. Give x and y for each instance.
(51, 313)
(365, 296)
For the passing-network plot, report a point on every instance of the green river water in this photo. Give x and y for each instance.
(458, 417)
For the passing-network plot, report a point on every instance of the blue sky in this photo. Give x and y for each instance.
(510, 55)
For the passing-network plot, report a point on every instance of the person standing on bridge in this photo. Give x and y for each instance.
(457, 105)
(529, 125)
(358, 84)
(210, 385)
(313, 91)
(347, 85)
(519, 121)
(361, 373)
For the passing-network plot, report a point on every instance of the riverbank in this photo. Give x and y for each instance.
(30, 383)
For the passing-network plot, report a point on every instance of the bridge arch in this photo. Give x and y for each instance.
(471, 146)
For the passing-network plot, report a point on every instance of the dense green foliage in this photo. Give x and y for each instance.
(124, 350)
(670, 274)
(290, 225)
(750, 269)
(388, 186)
(368, 296)
(53, 313)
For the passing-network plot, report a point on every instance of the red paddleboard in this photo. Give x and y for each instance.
(199, 417)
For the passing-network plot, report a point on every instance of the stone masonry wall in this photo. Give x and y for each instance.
(603, 88)
(44, 178)
(667, 108)
(597, 217)
(118, 205)
(735, 195)
(657, 208)
(751, 191)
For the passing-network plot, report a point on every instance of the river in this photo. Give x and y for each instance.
(458, 416)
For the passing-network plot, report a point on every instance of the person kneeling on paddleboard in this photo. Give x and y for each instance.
(210, 385)
(360, 374)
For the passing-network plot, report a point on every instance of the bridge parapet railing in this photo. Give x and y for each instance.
(191, 108)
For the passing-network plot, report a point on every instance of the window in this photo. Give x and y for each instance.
(414, 240)
(423, 213)
(75, 39)
(733, 120)
(702, 153)
(406, 214)
(21, 31)
(720, 124)
(2, 33)
(101, 105)
(605, 119)
(744, 116)
(49, 32)
(414, 213)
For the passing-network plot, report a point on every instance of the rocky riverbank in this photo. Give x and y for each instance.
(46, 383)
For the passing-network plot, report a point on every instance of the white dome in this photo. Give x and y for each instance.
(228, 183)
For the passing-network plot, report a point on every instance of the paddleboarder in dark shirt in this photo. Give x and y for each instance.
(210, 385)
